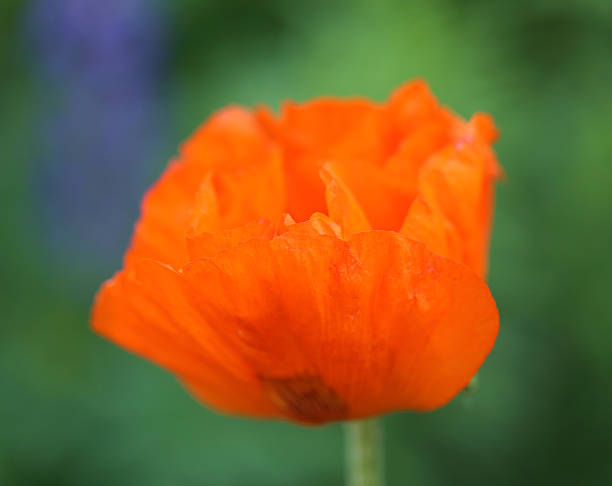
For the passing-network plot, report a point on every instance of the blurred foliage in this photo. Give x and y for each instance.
(76, 410)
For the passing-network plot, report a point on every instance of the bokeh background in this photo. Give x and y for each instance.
(95, 97)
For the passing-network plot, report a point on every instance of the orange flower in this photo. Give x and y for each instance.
(321, 265)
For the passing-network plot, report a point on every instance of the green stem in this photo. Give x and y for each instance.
(364, 453)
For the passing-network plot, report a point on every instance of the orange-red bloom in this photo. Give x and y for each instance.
(319, 265)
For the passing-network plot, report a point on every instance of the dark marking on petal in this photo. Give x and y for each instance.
(305, 398)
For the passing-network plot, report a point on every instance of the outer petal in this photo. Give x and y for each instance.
(452, 210)
(374, 324)
(164, 214)
(147, 310)
(231, 139)
(229, 162)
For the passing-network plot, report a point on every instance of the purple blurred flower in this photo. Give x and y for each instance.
(99, 63)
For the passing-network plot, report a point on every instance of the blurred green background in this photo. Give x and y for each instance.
(95, 97)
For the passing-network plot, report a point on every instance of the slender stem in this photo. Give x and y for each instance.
(364, 453)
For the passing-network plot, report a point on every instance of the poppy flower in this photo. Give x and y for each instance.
(321, 264)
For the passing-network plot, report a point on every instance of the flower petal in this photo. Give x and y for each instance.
(383, 198)
(374, 324)
(413, 105)
(231, 139)
(342, 206)
(204, 214)
(414, 150)
(165, 212)
(229, 157)
(252, 193)
(452, 211)
(147, 310)
(321, 130)
(207, 245)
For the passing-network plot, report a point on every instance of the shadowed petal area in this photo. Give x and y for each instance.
(305, 397)
(387, 324)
